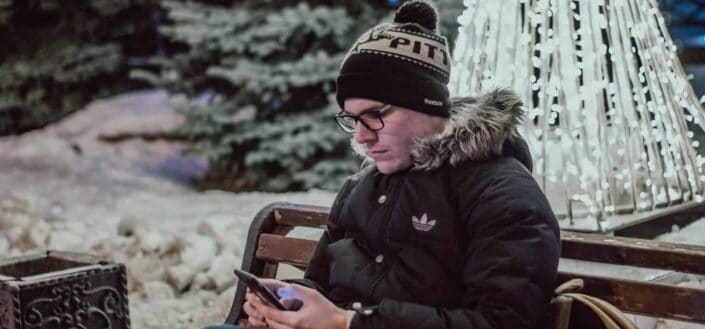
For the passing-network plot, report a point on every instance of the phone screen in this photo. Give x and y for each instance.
(259, 289)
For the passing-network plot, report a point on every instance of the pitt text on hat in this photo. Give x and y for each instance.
(412, 46)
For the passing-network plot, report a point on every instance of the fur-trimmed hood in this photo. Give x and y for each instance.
(478, 128)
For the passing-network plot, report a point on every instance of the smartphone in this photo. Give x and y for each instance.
(259, 289)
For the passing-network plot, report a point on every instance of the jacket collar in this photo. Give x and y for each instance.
(477, 129)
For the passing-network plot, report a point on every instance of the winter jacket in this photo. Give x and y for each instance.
(465, 238)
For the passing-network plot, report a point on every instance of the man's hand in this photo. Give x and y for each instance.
(317, 312)
(253, 304)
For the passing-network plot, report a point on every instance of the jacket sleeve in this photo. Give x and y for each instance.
(509, 269)
(316, 276)
(317, 271)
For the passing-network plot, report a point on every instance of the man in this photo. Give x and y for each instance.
(445, 227)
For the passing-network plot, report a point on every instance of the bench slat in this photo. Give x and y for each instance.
(649, 298)
(646, 298)
(300, 215)
(293, 251)
(582, 246)
(633, 252)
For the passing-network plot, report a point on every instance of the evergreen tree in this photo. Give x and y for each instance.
(57, 55)
(260, 76)
(261, 79)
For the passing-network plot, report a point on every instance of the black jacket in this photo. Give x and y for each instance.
(463, 239)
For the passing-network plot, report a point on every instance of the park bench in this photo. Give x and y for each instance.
(654, 294)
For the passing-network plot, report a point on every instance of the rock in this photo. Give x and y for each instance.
(142, 269)
(120, 248)
(152, 241)
(214, 227)
(234, 242)
(199, 252)
(180, 276)
(202, 282)
(205, 297)
(196, 256)
(14, 235)
(158, 290)
(38, 234)
(221, 272)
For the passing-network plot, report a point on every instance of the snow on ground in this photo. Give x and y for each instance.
(63, 188)
(691, 234)
(179, 268)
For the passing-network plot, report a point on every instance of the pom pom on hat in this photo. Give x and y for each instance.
(419, 12)
(405, 63)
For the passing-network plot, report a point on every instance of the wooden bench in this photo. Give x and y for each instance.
(268, 246)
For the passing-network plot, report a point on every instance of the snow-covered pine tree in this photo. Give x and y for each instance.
(56, 56)
(260, 77)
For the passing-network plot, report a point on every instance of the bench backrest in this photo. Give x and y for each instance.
(267, 246)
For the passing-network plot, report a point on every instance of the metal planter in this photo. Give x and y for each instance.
(62, 290)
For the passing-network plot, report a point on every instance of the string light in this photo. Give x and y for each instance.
(608, 103)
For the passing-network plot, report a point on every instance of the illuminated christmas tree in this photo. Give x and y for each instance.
(610, 111)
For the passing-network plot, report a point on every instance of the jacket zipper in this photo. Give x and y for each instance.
(390, 207)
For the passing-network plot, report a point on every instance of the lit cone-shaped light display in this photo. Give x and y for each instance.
(610, 111)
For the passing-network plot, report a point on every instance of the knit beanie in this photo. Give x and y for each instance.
(404, 63)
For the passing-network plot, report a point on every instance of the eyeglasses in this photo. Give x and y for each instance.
(371, 119)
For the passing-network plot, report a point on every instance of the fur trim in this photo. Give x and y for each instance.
(476, 130)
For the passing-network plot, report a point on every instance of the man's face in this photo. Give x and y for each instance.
(391, 146)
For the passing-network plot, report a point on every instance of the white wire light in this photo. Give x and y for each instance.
(608, 104)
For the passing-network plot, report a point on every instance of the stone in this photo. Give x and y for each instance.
(153, 241)
(215, 227)
(39, 234)
(201, 281)
(196, 255)
(198, 252)
(14, 235)
(141, 268)
(158, 289)
(221, 272)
